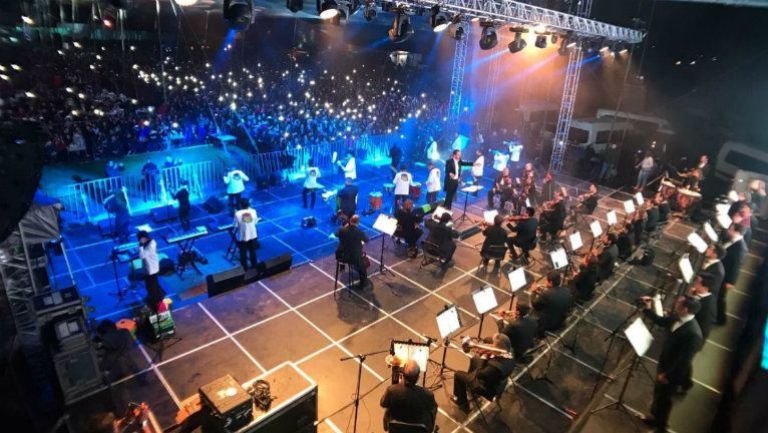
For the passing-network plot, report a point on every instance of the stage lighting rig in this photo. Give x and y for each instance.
(337, 9)
(401, 28)
(541, 41)
(238, 13)
(369, 12)
(519, 43)
(294, 5)
(488, 37)
(458, 29)
(438, 20)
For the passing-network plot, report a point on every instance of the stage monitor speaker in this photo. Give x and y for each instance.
(224, 281)
(163, 213)
(308, 222)
(213, 205)
(275, 265)
(228, 402)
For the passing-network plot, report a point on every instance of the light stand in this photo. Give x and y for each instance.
(361, 359)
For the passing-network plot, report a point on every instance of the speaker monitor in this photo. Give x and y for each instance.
(275, 265)
(213, 205)
(224, 281)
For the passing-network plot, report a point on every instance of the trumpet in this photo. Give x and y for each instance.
(469, 344)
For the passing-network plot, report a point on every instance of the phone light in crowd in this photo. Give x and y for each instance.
(81, 95)
(146, 123)
(175, 125)
(27, 20)
(77, 44)
(107, 23)
(233, 106)
(15, 67)
(5, 77)
(30, 95)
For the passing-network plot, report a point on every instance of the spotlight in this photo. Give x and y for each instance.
(401, 27)
(294, 5)
(518, 44)
(541, 41)
(185, 3)
(327, 9)
(370, 11)
(488, 39)
(342, 9)
(238, 13)
(458, 31)
(438, 20)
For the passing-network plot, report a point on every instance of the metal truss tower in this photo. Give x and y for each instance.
(489, 98)
(457, 77)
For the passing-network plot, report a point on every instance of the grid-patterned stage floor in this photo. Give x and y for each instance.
(294, 317)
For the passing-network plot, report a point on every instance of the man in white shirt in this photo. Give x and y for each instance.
(433, 182)
(432, 152)
(646, 168)
(245, 233)
(310, 183)
(151, 264)
(350, 168)
(403, 181)
(235, 181)
(477, 166)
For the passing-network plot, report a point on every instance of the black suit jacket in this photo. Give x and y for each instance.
(734, 255)
(706, 315)
(182, 195)
(525, 229)
(491, 375)
(653, 219)
(521, 333)
(351, 240)
(494, 236)
(442, 236)
(713, 276)
(606, 261)
(348, 197)
(679, 347)
(448, 182)
(409, 403)
(552, 306)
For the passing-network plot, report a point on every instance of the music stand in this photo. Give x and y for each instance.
(361, 359)
(485, 301)
(410, 351)
(640, 339)
(612, 218)
(686, 269)
(559, 258)
(724, 220)
(439, 211)
(639, 199)
(448, 322)
(697, 242)
(386, 225)
(467, 190)
(710, 232)
(490, 215)
(517, 280)
(596, 230)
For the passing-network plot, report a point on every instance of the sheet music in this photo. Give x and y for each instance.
(595, 228)
(639, 198)
(724, 220)
(485, 300)
(657, 307)
(439, 211)
(639, 336)
(697, 242)
(685, 268)
(448, 321)
(559, 258)
(472, 188)
(415, 352)
(710, 231)
(629, 206)
(489, 215)
(611, 217)
(385, 224)
(517, 279)
(576, 241)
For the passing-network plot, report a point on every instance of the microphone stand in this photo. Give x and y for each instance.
(361, 359)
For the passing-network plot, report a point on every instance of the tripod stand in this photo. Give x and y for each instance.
(467, 191)
(121, 291)
(361, 359)
(619, 404)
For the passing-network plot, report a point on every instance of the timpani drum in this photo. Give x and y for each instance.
(389, 187)
(415, 190)
(667, 189)
(687, 198)
(375, 199)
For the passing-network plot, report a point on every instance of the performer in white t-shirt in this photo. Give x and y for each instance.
(245, 233)
(310, 184)
(235, 181)
(433, 182)
(403, 181)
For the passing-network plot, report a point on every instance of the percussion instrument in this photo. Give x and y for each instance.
(415, 190)
(389, 187)
(668, 189)
(375, 200)
(687, 198)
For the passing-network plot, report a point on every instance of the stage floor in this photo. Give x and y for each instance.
(295, 317)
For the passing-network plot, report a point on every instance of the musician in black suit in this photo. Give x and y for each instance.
(525, 232)
(712, 270)
(553, 218)
(708, 306)
(521, 332)
(350, 249)
(408, 402)
(408, 220)
(348, 198)
(652, 216)
(485, 375)
(453, 176)
(606, 260)
(182, 196)
(681, 344)
(735, 250)
(440, 241)
(551, 304)
(585, 281)
(495, 239)
(497, 186)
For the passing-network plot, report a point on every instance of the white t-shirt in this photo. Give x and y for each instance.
(313, 173)
(235, 181)
(148, 255)
(477, 166)
(245, 224)
(350, 169)
(515, 149)
(432, 152)
(433, 180)
(402, 181)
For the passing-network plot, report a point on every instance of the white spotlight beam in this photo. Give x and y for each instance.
(510, 11)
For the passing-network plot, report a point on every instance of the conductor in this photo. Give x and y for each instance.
(453, 176)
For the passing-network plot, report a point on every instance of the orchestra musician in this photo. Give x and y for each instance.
(349, 168)
(495, 236)
(182, 196)
(520, 327)
(402, 181)
(246, 233)
(408, 220)
(453, 176)
(441, 239)
(625, 241)
(551, 304)
(497, 186)
(652, 215)
(348, 198)
(606, 256)
(663, 204)
(692, 179)
(486, 373)
(638, 225)
(587, 202)
(528, 183)
(235, 181)
(525, 232)
(735, 250)
(478, 166)
(408, 402)
(433, 182)
(712, 270)
(350, 249)
(703, 167)
(150, 261)
(585, 279)
(548, 188)
(553, 217)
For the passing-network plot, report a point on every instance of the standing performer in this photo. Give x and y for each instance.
(310, 184)
(349, 168)
(646, 168)
(432, 152)
(497, 187)
(395, 155)
(433, 182)
(116, 204)
(453, 176)
(403, 181)
(182, 196)
(235, 181)
(151, 264)
(735, 250)
(348, 199)
(150, 173)
(247, 236)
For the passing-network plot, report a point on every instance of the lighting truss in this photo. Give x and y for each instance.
(514, 12)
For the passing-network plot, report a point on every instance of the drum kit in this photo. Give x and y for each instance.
(415, 190)
(375, 200)
(685, 198)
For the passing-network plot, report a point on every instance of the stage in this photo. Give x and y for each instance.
(295, 317)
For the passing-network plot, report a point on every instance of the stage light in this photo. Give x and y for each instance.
(186, 2)
(401, 27)
(518, 44)
(369, 12)
(458, 30)
(294, 5)
(541, 41)
(438, 20)
(338, 9)
(488, 39)
(238, 13)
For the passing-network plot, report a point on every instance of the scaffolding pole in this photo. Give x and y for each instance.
(457, 77)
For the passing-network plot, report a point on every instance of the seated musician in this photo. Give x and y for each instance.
(551, 304)
(441, 239)
(625, 241)
(521, 329)
(652, 215)
(553, 217)
(496, 188)
(486, 373)
(548, 188)
(661, 202)
(525, 232)
(350, 249)
(507, 194)
(692, 179)
(408, 402)
(585, 279)
(528, 182)
(588, 201)
(496, 237)
(606, 259)
(408, 220)
(638, 225)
